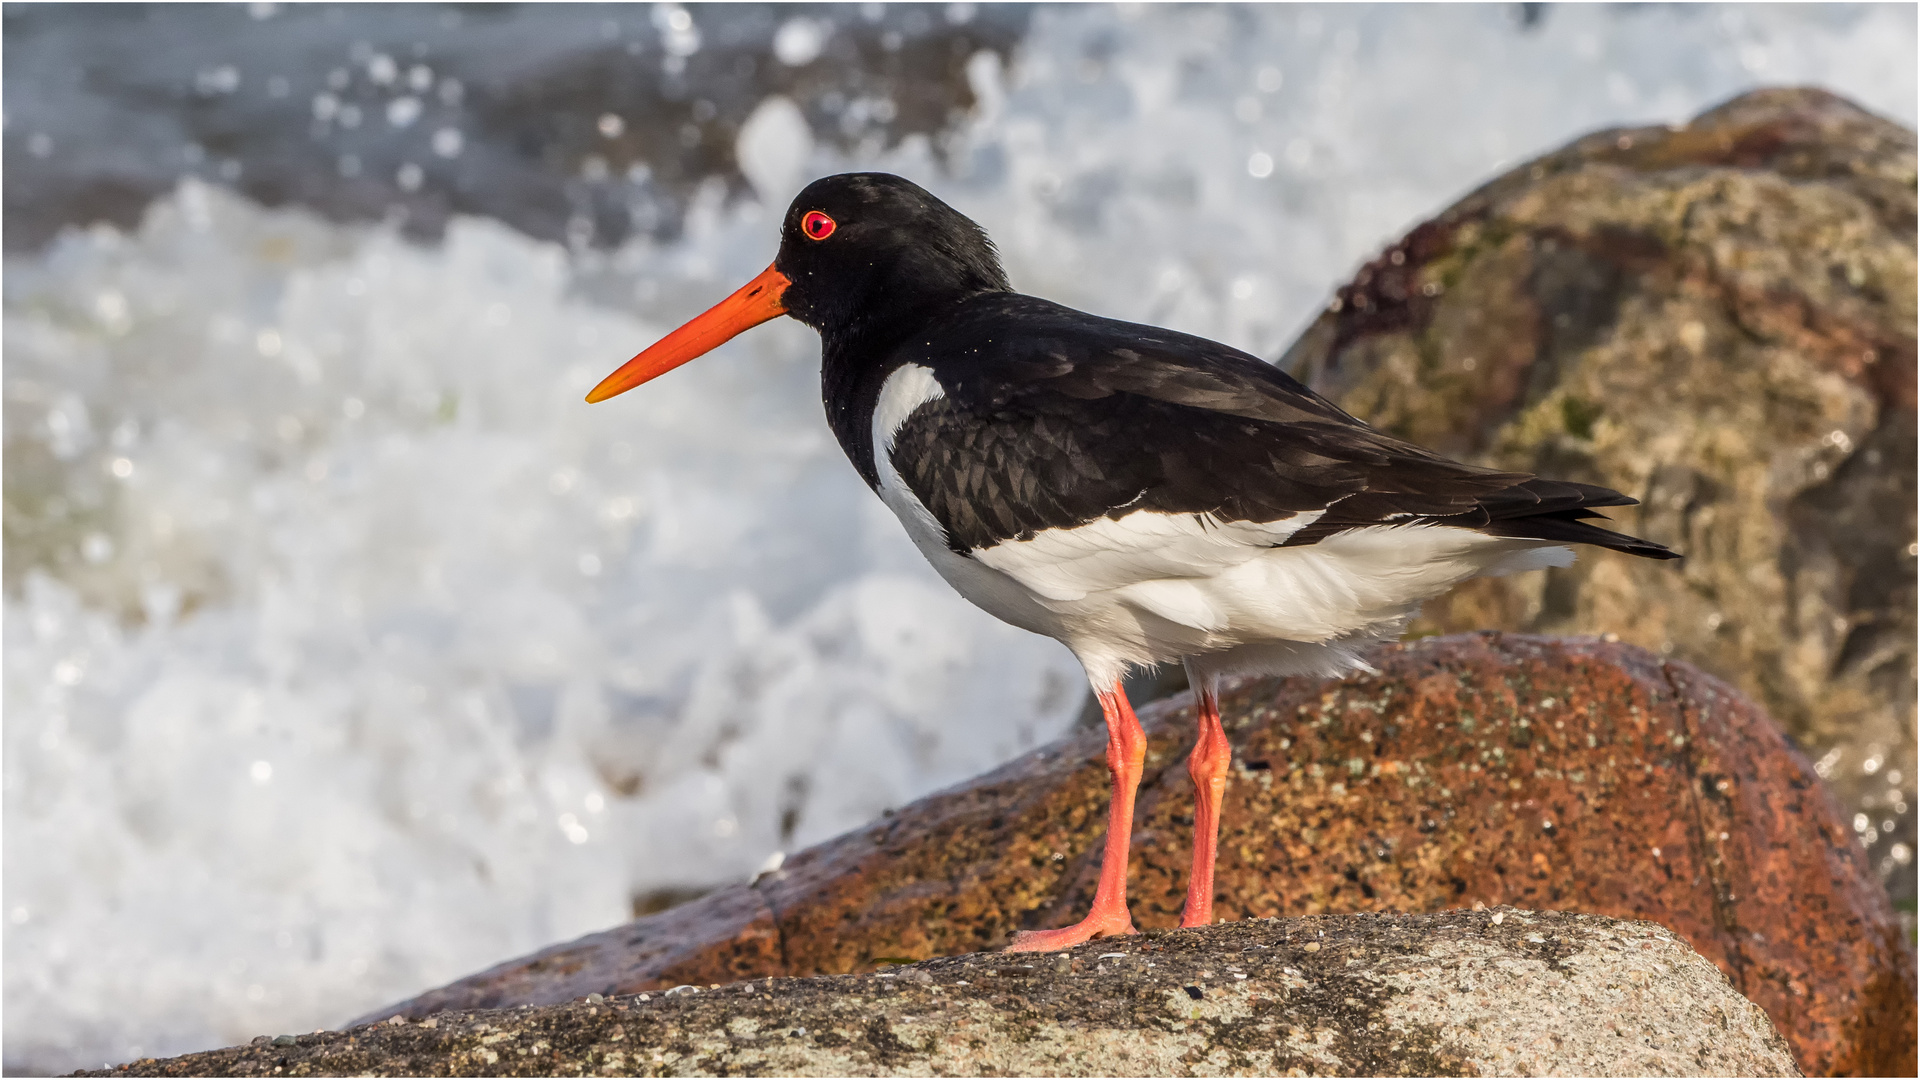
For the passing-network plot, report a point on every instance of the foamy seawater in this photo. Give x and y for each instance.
(360, 654)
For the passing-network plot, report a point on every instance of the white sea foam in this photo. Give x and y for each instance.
(377, 657)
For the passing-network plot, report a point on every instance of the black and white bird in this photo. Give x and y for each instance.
(1143, 496)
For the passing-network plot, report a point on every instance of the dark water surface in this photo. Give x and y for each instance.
(581, 122)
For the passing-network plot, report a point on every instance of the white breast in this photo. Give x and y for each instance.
(904, 392)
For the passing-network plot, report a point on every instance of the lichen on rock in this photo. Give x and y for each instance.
(1718, 319)
(1465, 993)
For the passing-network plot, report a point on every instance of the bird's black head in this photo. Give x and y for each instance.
(864, 258)
(864, 251)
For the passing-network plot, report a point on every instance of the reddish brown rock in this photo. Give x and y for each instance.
(723, 936)
(1481, 769)
(1718, 319)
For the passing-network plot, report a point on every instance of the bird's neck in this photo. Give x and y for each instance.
(855, 359)
(853, 364)
(872, 330)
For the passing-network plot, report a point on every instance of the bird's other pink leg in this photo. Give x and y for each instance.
(1208, 767)
(1126, 754)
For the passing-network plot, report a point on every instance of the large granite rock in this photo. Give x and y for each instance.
(1480, 769)
(1718, 319)
(1490, 993)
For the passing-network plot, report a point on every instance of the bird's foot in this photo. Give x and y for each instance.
(1093, 926)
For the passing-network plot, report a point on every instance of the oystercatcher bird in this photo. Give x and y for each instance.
(1143, 496)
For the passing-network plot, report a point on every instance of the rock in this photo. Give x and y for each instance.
(1506, 993)
(1718, 319)
(1478, 769)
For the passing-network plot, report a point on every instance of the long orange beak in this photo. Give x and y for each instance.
(755, 303)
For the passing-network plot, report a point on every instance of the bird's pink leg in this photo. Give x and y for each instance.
(1126, 753)
(1208, 767)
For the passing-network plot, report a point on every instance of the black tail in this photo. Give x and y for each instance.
(1561, 515)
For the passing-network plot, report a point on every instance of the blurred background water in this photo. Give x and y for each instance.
(348, 652)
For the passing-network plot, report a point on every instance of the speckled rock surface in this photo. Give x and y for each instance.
(1719, 320)
(1493, 769)
(1486, 993)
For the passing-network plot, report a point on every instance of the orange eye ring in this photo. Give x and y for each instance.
(817, 225)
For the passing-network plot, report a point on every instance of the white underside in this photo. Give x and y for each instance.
(1150, 588)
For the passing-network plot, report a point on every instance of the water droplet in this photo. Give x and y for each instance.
(221, 79)
(678, 35)
(96, 548)
(402, 111)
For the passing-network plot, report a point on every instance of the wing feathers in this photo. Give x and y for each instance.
(1075, 420)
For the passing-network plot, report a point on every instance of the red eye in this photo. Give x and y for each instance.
(816, 225)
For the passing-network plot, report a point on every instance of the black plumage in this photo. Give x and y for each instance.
(1052, 418)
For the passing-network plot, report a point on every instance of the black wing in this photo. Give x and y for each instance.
(1052, 418)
